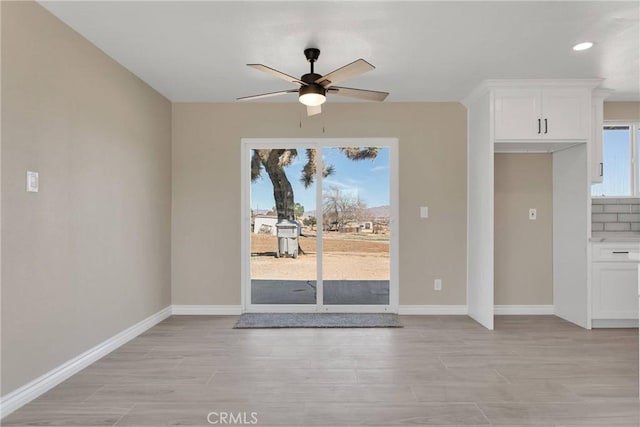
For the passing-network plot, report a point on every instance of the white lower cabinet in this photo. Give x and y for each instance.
(614, 285)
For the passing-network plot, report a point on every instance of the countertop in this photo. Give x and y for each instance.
(621, 237)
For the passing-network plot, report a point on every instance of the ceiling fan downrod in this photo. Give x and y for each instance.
(312, 55)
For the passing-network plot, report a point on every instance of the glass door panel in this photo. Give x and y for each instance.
(283, 262)
(356, 226)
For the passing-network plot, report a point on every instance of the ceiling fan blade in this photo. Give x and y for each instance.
(369, 95)
(350, 70)
(267, 95)
(313, 110)
(276, 73)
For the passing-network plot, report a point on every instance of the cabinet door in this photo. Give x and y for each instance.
(596, 139)
(565, 113)
(615, 290)
(517, 112)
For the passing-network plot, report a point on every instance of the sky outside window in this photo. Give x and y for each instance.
(367, 180)
(616, 157)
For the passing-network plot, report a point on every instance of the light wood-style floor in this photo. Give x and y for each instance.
(436, 371)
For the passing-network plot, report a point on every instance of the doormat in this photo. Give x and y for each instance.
(317, 320)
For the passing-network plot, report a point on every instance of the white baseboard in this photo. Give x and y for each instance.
(524, 310)
(433, 309)
(206, 310)
(463, 309)
(614, 323)
(231, 310)
(46, 382)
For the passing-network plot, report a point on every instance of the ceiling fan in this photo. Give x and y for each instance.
(313, 87)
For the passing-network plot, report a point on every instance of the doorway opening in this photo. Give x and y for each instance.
(320, 230)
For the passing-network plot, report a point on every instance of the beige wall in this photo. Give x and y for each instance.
(206, 190)
(89, 255)
(622, 110)
(523, 248)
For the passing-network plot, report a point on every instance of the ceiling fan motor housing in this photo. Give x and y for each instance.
(312, 86)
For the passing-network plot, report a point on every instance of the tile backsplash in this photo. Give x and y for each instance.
(613, 217)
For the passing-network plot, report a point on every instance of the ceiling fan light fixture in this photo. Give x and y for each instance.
(312, 99)
(312, 95)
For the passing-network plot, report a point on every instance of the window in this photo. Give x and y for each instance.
(620, 161)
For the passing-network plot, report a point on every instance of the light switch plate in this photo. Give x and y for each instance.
(32, 182)
(533, 214)
(424, 212)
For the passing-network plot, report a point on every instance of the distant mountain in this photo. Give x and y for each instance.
(261, 211)
(379, 211)
(374, 212)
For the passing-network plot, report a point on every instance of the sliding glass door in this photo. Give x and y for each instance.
(356, 267)
(319, 230)
(283, 266)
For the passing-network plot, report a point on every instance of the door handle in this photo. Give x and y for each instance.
(601, 169)
(545, 126)
(539, 126)
(620, 252)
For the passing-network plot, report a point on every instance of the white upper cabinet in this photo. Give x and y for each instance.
(517, 113)
(597, 122)
(565, 113)
(542, 114)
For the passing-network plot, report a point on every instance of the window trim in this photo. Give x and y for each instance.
(634, 176)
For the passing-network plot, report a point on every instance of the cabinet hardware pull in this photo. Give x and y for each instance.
(601, 169)
(539, 126)
(620, 252)
(545, 126)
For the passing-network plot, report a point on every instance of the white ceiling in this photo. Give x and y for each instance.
(423, 51)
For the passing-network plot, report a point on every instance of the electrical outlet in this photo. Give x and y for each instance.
(437, 285)
(533, 214)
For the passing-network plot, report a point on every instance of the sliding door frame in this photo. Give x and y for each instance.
(247, 144)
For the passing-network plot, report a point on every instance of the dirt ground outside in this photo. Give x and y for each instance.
(345, 257)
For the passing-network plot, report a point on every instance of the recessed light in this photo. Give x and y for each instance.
(583, 46)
